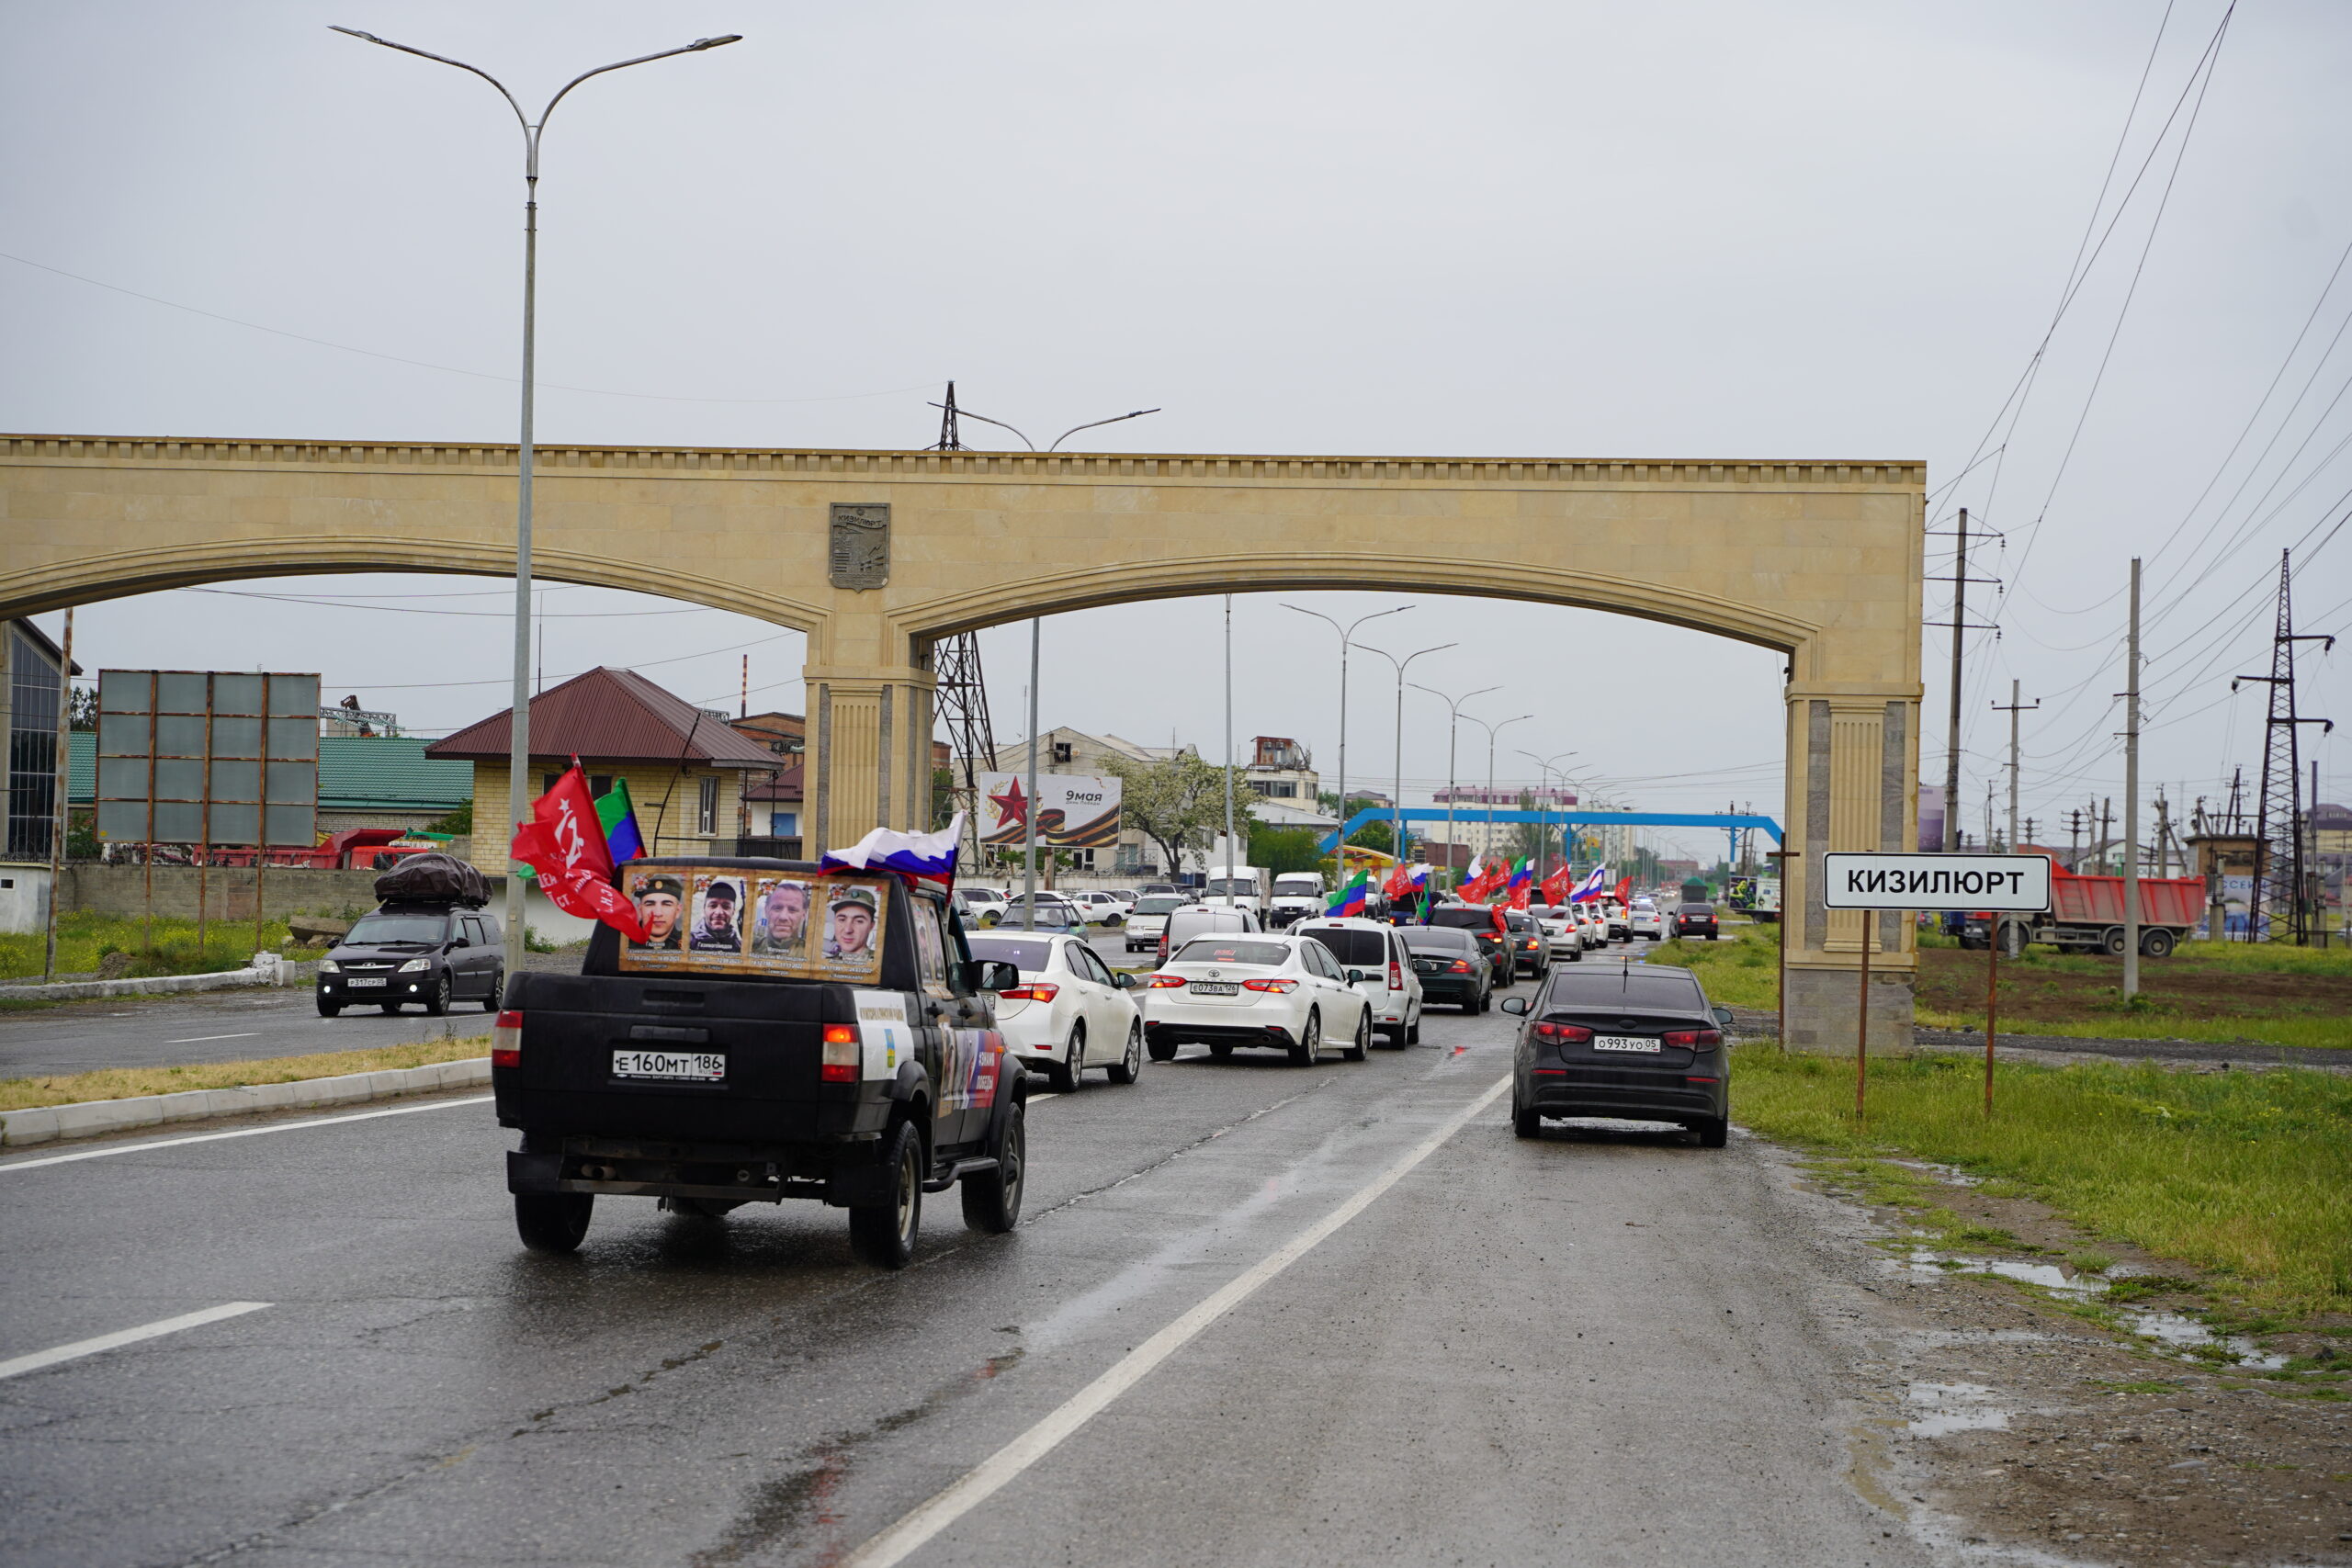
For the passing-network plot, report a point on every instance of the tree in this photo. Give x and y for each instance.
(1279, 849)
(942, 798)
(83, 710)
(1177, 803)
(1536, 841)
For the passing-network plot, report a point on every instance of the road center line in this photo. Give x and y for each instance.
(239, 1132)
(121, 1336)
(897, 1541)
(200, 1039)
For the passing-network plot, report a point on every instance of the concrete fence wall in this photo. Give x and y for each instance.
(228, 893)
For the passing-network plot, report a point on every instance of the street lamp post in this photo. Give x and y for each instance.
(1396, 805)
(1452, 726)
(1545, 768)
(1347, 636)
(518, 751)
(1492, 730)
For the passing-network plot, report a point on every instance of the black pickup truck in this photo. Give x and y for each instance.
(784, 1033)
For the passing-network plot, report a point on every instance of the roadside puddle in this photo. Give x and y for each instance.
(1939, 1409)
(2175, 1331)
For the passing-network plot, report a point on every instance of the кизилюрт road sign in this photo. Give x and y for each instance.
(1869, 881)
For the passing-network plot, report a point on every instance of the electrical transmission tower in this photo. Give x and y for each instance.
(961, 695)
(2279, 890)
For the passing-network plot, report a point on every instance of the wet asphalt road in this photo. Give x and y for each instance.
(1606, 1346)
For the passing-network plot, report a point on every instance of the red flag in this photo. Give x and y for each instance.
(1557, 885)
(1624, 891)
(564, 842)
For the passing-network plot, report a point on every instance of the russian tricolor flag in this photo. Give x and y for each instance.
(930, 857)
(1594, 886)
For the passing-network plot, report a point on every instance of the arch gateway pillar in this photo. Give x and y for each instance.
(875, 554)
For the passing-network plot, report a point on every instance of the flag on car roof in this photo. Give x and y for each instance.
(1594, 885)
(1352, 898)
(1556, 887)
(1523, 880)
(929, 857)
(619, 815)
(563, 843)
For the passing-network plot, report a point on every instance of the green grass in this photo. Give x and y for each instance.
(122, 1083)
(1742, 970)
(2253, 1031)
(83, 938)
(2246, 1174)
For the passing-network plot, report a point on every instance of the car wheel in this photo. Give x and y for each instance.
(1361, 1047)
(1413, 1031)
(1525, 1124)
(497, 989)
(992, 1198)
(553, 1222)
(1162, 1050)
(1487, 1002)
(1714, 1132)
(2156, 944)
(884, 1234)
(1129, 1067)
(1221, 1049)
(1310, 1041)
(436, 1000)
(328, 1009)
(1066, 1073)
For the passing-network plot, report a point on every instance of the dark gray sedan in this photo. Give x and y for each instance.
(1638, 1043)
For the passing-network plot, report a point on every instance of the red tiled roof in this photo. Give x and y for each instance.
(614, 716)
(786, 785)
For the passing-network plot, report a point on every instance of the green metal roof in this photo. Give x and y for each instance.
(356, 773)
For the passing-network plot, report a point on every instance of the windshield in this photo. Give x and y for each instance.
(1159, 905)
(1467, 917)
(388, 929)
(1519, 922)
(1299, 886)
(1436, 939)
(1350, 947)
(1238, 884)
(1027, 954)
(1224, 950)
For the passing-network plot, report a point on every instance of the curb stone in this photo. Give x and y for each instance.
(286, 974)
(49, 1124)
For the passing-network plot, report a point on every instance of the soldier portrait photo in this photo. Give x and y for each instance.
(718, 903)
(851, 917)
(661, 900)
(780, 922)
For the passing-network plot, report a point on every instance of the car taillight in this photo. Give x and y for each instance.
(1034, 991)
(1396, 976)
(1695, 1039)
(507, 1040)
(841, 1053)
(1165, 982)
(1461, 966)
(1566, 1033)
(1283, 986)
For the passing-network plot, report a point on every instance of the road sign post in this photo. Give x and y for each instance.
(1875, 883)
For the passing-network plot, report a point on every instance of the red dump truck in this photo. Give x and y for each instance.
(2086, 913)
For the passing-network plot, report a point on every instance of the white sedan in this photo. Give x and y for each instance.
(1100, 908)
(1646, 922)
(1561, 932)
(1256, 988)
(1069, 1013)
(1593, 924)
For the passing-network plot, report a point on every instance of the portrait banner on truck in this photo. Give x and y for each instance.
(793, 925)
(1074, 811)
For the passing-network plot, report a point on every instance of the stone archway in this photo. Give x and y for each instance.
(875, 554)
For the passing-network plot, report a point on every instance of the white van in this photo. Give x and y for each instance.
(1204, 919)
(1248, 888)
(1298, 896)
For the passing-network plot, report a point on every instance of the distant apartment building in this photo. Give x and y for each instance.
(1281, 768)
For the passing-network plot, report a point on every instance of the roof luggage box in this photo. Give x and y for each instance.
(433, 878)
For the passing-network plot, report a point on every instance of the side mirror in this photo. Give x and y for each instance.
(1723, 1016)
(1123, 980)
(459, 942)
(1356, 977)
(995, 975)
(1515, 1004)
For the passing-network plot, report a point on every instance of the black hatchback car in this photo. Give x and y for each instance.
(1451, 966)
(1485, 923)
(432, 954)
(1530, 949)
(1638, 1043)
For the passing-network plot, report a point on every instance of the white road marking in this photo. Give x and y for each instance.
(80, 1348)
(239, 1132)
(200, 1039)
(894, 1544)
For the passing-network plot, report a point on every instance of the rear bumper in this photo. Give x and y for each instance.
(1229, 1034)
(1665, 1097)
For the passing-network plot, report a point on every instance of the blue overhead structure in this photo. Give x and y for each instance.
(1730, 821)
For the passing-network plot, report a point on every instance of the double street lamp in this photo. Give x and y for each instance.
(1492, 730)
(518, 753)
(1544, 767)
(1396, 805)
(1453, 727)
(1347, 638)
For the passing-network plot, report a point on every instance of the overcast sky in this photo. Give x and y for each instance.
(1709, 230)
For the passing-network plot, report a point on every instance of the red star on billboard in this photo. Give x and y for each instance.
(1012, 807)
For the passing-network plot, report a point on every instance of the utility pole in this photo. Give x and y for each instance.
(2132, 796)
(2106, 831)
(2279, 867)
(2074, 840)
(2013, 708)
(1960, 580)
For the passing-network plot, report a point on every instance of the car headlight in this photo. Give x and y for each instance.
(416, 967)
(329, 966)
